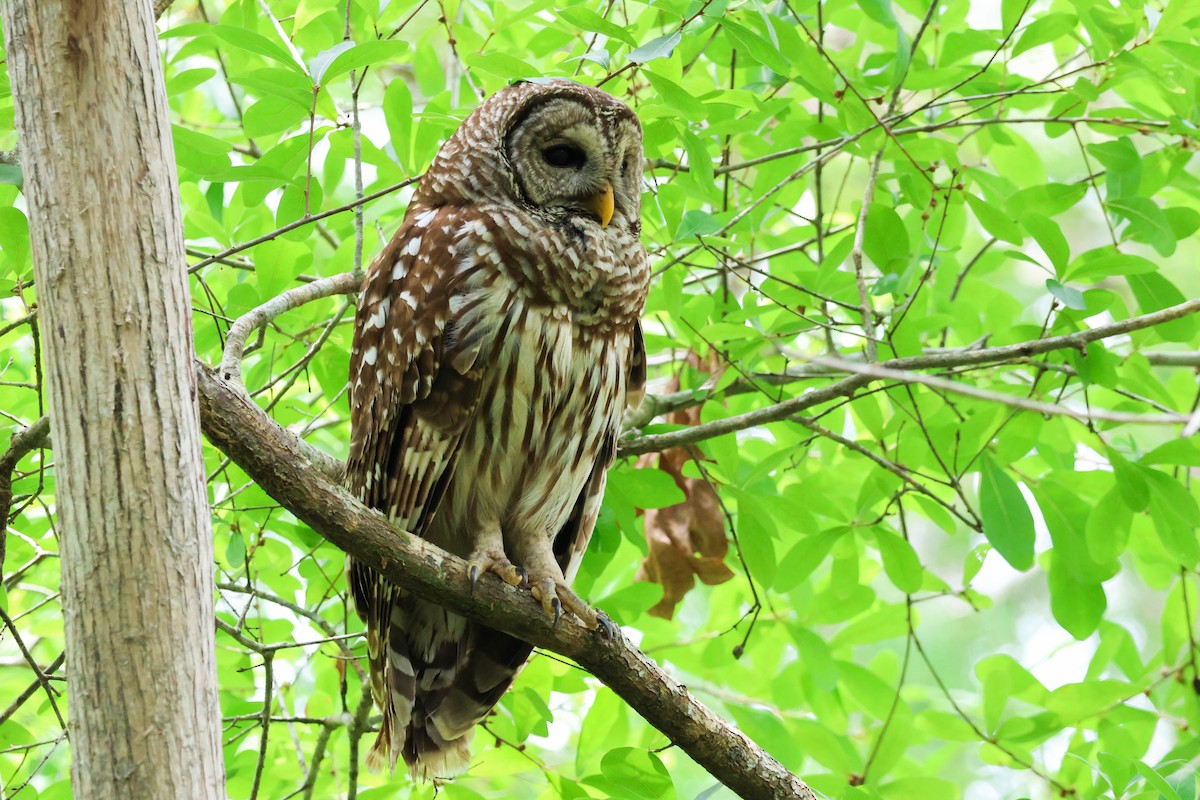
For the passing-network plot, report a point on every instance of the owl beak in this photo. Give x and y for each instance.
(602, 204)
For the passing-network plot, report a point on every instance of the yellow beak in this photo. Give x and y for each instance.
(602, 204)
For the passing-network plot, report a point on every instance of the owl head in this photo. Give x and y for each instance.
(559, 149)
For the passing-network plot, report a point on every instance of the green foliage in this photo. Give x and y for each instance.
(941, 591)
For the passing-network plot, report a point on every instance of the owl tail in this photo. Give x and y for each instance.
(408, 728)
(437, 696)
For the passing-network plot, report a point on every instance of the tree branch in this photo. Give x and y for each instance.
(239, 332)
(273, 458)
(848, 386)
(23, 442)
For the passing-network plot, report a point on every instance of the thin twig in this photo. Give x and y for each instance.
(32, 688)
(268, 702)
(305, 220)
(37, 671)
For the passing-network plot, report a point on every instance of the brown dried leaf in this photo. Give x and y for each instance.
(687, 540)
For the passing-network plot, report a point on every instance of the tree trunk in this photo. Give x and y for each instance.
(136, 539)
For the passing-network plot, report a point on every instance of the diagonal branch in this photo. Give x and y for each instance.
(273, 458)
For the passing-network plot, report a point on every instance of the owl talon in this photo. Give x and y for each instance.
(492, 559)
(558, 599)
(604, 625)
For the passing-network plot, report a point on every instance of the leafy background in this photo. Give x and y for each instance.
(911, 592)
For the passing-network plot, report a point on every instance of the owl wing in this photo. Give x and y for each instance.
(414, 377)
(414, 386)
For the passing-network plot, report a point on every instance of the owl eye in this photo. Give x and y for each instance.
(564, 155)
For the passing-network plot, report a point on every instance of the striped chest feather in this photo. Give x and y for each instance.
(551, 393)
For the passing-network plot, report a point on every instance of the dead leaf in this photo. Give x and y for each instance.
(687, 540)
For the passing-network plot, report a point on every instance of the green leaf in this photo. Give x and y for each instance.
(1007, 521)
(1050, 199)
(1154, 293)
(885, 239)
(697, 223)
(200, 152)
(973, 562)
(994, 221)
(660, 47)
(1068, 296)
(1096, 366)
(1131, 481)
(12, 175)
(344, 59)
(273, 82)
(645, 488)
(1122, 165)
(1184, 221)
(398, 114)
(251, 42)
(1176, 516)
(1065, 500)
(638, 772)
(817, 659)
(1078, 606)
(1157, 781)
(1049, 237)
(900, 560)
(1147, 223)
(756, 533)
(804, 557)
(1108, 526)
(1104, 262)
(880, 11)
(759, 48)
(503, 65)
(1011, 14)
(586, 19)
(321, 62)
(1045, 30)
(14, 237)
(235, 550)
(674, 95)
(188, 79)
(272, 115)
(920, 788)
(1076, 702)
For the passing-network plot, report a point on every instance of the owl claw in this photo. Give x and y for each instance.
(604, 625)
(493, 560)
(558, 599)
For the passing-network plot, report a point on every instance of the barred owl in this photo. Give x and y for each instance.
(496, 347)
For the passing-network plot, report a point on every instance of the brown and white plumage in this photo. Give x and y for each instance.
(496, 346)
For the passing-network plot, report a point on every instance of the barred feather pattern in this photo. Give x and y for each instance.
(496, 347)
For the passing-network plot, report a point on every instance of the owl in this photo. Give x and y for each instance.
(496, 347)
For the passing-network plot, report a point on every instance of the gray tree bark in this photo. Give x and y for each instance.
(136, 540)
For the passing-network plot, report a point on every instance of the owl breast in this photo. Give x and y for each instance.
(552, 391)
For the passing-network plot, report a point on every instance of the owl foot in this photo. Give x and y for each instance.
(555, 597)
(492, 559)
